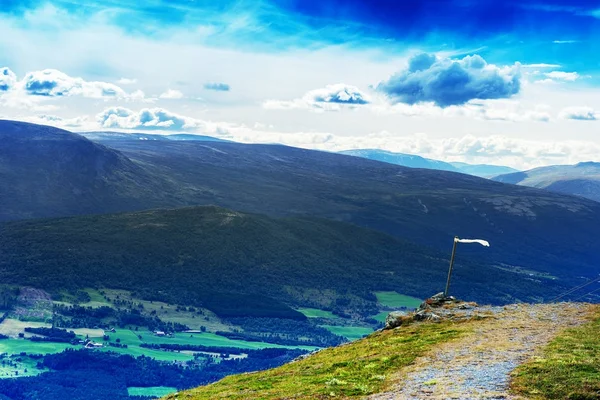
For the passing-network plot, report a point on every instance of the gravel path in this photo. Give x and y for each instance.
(478, 365)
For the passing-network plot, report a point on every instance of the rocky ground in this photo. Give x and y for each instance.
(478, 366)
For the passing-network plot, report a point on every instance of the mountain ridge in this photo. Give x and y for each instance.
(527, 227)
(415, 161)
(582, 179)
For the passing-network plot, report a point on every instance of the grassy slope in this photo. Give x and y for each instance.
(351, 371)
(569, 368)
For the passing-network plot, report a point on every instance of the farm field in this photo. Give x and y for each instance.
(154, 391)
(172, 313)
(17, 346)
(381, 316)
(12, 367)
(210, 339)
(349, 332)
(317, 313)
(397, 300)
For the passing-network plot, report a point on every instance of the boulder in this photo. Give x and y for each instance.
(396, 319)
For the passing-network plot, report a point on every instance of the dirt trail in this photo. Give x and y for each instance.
(478, 365)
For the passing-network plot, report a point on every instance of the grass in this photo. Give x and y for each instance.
(397, 300)
(210, 339)
(381, 316)
(168, 312)
(352, 371)
(22, 366)
(154, 391)
(569, 367)
(12, 327)
(132, 340)
(16, 346)
(349, 332)
(316, 313)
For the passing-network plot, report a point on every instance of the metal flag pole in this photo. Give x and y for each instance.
(456, 241)
(451, 266)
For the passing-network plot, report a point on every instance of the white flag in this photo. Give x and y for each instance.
(480, 241)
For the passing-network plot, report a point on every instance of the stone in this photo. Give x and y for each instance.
(396, 319)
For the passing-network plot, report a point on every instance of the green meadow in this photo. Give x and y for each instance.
(381, 316)
(349, 332)
(154, 391)
(317, 313)
(397, 300)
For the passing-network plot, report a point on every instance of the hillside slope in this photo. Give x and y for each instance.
(47, 171)
(469, 359)
(530, 229)
(582, 179)
(231, 262)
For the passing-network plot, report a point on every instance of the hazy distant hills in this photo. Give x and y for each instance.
(582, 179)
(483, 170)
(414, 161)
(527, 227)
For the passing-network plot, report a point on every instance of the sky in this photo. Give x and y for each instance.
(512, 83)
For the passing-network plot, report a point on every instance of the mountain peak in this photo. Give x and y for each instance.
(25, 130)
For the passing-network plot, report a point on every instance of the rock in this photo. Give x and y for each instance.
(396, 319)
(425, 315)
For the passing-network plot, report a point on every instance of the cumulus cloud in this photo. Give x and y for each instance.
(171, 94)
(148, 119)
(329, 98)
(7, 79)
(580, 113)
(217, 86)
(448, 82)
(54, 83)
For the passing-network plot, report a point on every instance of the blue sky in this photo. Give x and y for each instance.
(514, 83)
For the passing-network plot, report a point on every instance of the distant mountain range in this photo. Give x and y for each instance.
(414, 161)
(48, 172)
(582, 179)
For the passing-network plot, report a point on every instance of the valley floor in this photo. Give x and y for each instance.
(479, 364)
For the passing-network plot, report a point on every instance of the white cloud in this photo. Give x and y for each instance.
(495, 149)
(171, 94)
(330, 98)
(540, 65)
(580, 113)
(565, 41)
(447, 82)
(564, 76)
(157, 119)
(54, 83)
(490, 110)
(66, 123)
(7, 79)
(126, 81)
